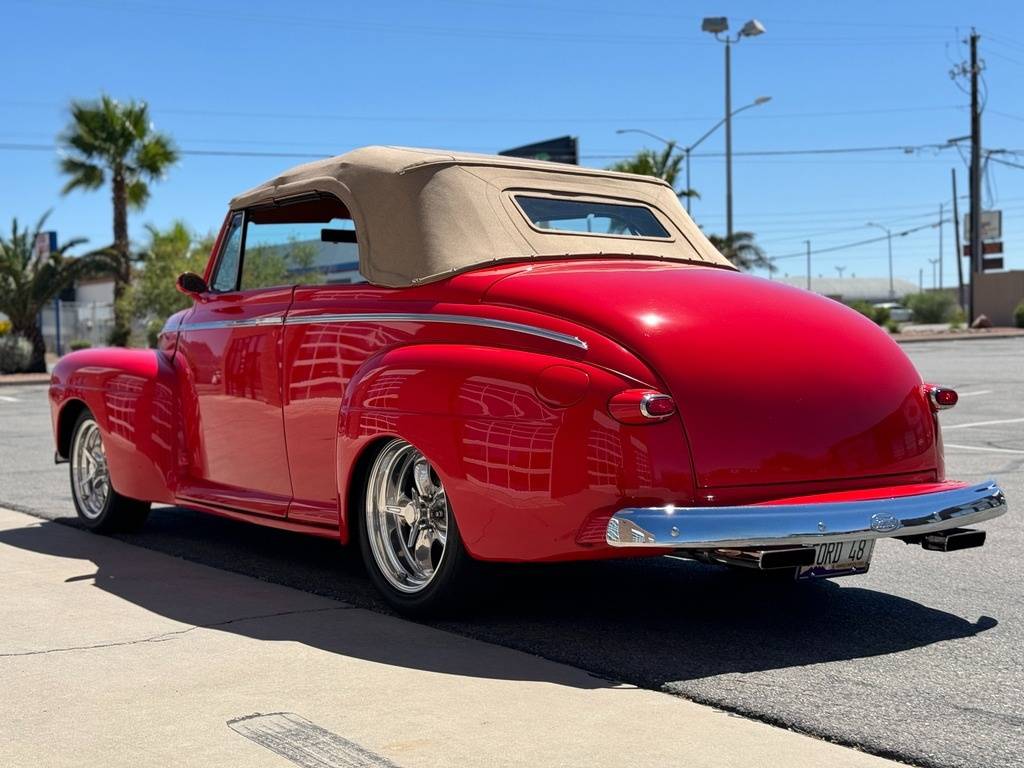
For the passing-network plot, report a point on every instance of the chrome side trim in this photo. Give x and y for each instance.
(413, 317)
(394, 317)
(254, 322)
(770, 525)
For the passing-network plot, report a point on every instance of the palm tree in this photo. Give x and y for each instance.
(664, 164)
(742, 251)
(108, 139)
(31, 278)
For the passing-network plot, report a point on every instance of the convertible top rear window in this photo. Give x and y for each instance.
(588, 217)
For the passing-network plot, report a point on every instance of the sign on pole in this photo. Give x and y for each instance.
(564, 149)
(991, 224)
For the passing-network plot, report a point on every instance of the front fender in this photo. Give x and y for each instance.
(522, 441)
(131, 393)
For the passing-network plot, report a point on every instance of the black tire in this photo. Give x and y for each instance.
(450, 588)
(102, 509)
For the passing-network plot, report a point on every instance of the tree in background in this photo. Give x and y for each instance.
(662, 164)
(30, 279)
(107, 139)
(742, 251)
(169, 252)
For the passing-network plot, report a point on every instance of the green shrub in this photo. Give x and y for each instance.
(892, 326)
(931, 307)
(1018, 315)
(957, 319)
(877, 315)
(76, 344)
(15, 354)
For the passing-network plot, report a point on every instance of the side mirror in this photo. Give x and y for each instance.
(191, 284)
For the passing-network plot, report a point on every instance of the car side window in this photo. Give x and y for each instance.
(226, 276)
(311, 241)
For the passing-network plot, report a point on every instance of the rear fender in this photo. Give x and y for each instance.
(131, 392)
(522, 441)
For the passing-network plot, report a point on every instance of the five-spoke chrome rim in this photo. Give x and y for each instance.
(90, 477)
(406, 517)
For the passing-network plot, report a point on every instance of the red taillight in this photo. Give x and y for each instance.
(941, 398)
(641, 406)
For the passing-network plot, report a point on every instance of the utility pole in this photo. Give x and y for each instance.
(808, 244)
(956, 242)
(975, 234)
(941, 208)
(934, 263)
(920, 280)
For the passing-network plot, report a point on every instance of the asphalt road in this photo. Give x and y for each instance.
(922, 659)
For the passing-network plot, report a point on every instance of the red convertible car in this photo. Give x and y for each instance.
(451, 358)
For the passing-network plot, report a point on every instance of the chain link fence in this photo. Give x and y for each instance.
(67, 322)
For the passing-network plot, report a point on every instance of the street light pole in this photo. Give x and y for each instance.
(719, 26)
(888, 235)
(687, 151)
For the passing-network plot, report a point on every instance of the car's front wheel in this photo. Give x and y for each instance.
(100, 508)
(408, 535)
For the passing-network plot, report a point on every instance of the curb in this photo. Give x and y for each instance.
(914, 338)
(20, 380)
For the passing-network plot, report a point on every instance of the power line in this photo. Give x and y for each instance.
(869, 241)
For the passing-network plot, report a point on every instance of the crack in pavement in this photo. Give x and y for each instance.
(175, 634)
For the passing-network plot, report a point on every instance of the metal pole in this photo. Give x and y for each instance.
(956, 241)
(920, 280)
(728, 140)
(892, 289)
(975, 235)
(941, 207)
(808, 243)
(934, 263)
(689, 189)
(56, 318)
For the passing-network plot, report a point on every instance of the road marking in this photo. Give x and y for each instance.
(982, 448)
(972, 394)
(7, 399)
(981, 424)
(304, 743)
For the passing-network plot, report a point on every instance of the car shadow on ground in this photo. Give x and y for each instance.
(647, 622)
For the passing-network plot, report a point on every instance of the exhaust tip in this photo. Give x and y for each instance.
(953, 540)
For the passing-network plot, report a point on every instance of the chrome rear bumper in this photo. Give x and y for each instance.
(773, 525)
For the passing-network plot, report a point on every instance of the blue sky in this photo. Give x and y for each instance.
(323, 77)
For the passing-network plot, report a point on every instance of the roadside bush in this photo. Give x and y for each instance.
(877, 315)
(5, 327)
(1018, 315)
(931, 307)
(892, 326)
(77, 344)
(15, 354)
(957, 319)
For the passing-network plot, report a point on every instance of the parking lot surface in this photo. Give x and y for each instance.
(921, 659)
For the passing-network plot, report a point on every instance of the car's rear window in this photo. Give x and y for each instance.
(589, 217)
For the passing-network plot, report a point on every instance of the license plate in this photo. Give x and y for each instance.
(839, 558)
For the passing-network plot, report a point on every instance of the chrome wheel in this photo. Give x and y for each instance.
(90, 477)
(407, 517)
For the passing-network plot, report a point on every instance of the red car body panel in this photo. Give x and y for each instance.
(780, 395)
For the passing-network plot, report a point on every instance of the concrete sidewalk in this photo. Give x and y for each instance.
(115, 655)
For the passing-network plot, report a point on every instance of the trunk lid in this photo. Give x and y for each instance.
(774, 384)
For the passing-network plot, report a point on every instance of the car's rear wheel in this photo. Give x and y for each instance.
(100, 508)
(408, 534)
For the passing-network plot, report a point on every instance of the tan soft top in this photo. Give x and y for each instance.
(424, 214)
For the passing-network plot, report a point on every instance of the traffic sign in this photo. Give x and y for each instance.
(991, 225)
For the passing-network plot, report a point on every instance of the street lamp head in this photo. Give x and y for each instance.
(715, 24)
(762, 100)
(752, 28)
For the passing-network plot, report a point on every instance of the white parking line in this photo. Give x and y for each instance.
(8, 399)
(972, 394)
(982, 448)
(946, 428)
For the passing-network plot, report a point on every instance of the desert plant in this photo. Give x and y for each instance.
(30, 279)
(1018, 315)
(877, 315)
(957, 319)
(931, 307)
(892, 326)
(15, 354)
(77, 344)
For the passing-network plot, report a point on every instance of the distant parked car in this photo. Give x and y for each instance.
(897, 312)
(448, 358)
